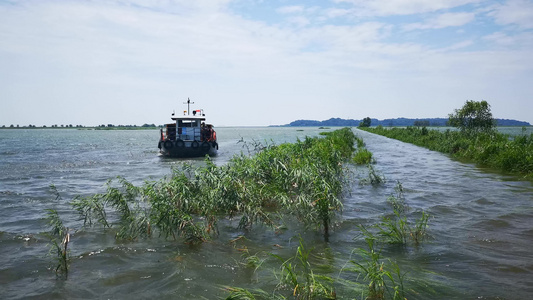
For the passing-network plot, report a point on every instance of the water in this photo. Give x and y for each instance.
(481, 222)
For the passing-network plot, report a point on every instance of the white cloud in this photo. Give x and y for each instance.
(402, 7)
(122, 59)
(511, 41)
(337, 12)
(291, 9)
(514, 12)
(443, 21)
(300, 21)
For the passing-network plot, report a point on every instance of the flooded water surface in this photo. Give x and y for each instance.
(480, 226)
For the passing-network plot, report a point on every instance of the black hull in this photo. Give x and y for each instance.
(186, 149)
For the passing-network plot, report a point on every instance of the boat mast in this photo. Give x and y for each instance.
(188, 106)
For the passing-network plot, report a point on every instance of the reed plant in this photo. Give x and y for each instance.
(374, 177)
(362, 156)
(395, 229)
(419, 232)
(59, 240)
(382, 277)
(297, 275)
(304, 179)
(398, 229)
(397, 200)
(400, 226)
(492, 149)
(296, 279)
(237, 293)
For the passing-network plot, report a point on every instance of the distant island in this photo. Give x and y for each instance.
(392, 122)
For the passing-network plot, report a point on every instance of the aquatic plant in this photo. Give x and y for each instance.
(487, 148)
(398, 201)
(377, 274)
(303, 179)
(362, 157)
(398, 228)
(54, 190)
(374, 177)
(90, 208)
(59, 239)
(296, 278)
(419, 232)
(394, 230)
(237, 293)
(296, 274)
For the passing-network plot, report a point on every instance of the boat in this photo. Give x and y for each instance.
(188, 135)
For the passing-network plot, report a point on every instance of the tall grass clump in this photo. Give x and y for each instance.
(302, 179)
(59, 240)
(399, 227)
(382, 277)
(59, 237)
(376, 277)
(296, 280)
(297, 276)
(361, 155)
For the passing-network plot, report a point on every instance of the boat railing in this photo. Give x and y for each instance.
(188, 134)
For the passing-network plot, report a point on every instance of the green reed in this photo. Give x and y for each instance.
(374, 177)
(304, 179)
(297, 275)
(400, 226)
(59, 240)
(296, 279)
(362, 156)
(383, 277)
(492, 149)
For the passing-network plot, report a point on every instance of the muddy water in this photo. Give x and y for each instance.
(481, 223)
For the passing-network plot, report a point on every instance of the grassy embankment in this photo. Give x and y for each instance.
(513, 154)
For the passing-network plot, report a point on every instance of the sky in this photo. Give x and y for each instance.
(261, 62)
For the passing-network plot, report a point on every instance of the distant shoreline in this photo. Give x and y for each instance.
(86, 127)
(332, 122)
(397, 122)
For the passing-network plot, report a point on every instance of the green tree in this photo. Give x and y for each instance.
(473, 117)
(366, 122)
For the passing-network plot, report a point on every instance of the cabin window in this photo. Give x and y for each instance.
(188, 123)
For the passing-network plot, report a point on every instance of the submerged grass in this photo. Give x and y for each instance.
(303, 179)
(371, 277)
(59, 237)
(59, 240)
(383, 277)
(492, 149)
(400, 227)
(296, 280)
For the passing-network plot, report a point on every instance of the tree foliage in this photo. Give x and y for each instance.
(473, 117)
(366, 122)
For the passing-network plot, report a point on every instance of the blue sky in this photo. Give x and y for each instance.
(254, 63)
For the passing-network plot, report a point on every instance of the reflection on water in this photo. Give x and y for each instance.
(481, 222)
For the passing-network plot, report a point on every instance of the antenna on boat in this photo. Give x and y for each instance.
(188, 106)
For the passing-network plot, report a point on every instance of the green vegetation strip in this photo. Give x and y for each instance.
(303, 179)
(490, 148)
